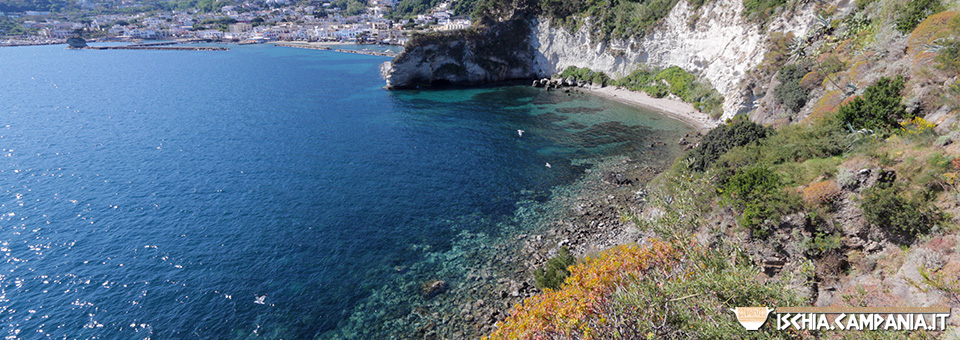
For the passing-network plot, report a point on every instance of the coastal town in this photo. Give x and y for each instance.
(257, 21)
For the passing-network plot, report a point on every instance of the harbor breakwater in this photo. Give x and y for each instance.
(162, 48)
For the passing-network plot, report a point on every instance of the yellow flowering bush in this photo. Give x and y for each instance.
(916, 126)
(661, 290)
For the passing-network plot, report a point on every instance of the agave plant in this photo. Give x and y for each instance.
(934, 46)
(851, 89)
(798, 47)
(821, 25)
(856, 136)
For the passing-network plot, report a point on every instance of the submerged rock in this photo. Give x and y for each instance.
(433, 288)
(616, 178)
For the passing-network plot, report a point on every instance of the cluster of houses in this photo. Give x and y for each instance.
(261, 21)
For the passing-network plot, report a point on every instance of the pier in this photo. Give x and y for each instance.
(328, 48)
(376, 53)
(302, 45)
(158, 47)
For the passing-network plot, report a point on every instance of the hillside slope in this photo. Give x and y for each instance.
(835, 175)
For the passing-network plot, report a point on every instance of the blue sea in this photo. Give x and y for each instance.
(265, 192)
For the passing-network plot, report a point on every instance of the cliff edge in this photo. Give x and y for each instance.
(502, 51)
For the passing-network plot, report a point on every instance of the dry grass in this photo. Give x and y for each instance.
(819, 193)
(935, 27)
(827, 104)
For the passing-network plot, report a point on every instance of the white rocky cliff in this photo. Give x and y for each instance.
(715, 42)
(720, 46)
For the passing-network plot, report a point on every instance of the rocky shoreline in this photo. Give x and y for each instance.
(588, 222)
(462, 293)
(495, 273)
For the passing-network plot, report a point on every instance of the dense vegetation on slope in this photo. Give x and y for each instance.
(848, 194)
(675, 289)
(723, 138)
(613, 19)
(204, 6)
(407, 9)
(879, 109)
(31, 5)
(789, 92)
(11, 27)
(914, 12)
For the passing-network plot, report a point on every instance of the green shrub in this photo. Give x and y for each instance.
(949, 56)
(789, 92)
(756, 193)
(761, 10)
(657, 90)
(586, 74)
(800, 142)
(914, 13)
(574, 72)
(659, 84)
(721, 139)
(675, 80)
(555, 271)
(600, 78)
(681, 81)
(822, 243)
(636, 79)
(799, 152)
(878, 109)
(862, 4)
(885, 206)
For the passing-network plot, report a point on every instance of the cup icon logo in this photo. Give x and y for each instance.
(752, 318)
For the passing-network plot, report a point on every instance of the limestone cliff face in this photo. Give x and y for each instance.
(714, 41)
(498, 53)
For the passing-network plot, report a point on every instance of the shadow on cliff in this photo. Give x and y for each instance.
(498, 52)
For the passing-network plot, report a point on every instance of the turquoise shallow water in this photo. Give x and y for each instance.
(258, 191)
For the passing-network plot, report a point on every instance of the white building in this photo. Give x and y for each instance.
(458, 24)
(210, 34)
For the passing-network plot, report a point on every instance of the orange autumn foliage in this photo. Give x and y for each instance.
(934, 27)
(822, 192)
(567, 311)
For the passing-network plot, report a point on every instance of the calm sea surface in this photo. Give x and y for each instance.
(260, 191)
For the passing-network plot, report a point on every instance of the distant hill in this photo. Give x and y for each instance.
(31, 5)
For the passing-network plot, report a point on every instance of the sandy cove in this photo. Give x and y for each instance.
(675, 109)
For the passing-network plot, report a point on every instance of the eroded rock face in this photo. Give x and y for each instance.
(498, 53)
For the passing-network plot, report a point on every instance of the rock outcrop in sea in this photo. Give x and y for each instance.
(76, 42)
(466, 57)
